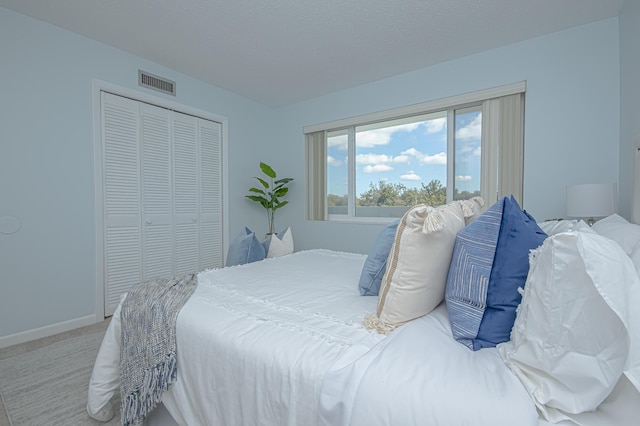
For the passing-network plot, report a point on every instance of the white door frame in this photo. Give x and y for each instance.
(103, 86)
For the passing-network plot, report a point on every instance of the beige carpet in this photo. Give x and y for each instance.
(48, 385)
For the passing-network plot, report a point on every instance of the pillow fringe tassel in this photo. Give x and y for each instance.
(433, 222)
(372, 322)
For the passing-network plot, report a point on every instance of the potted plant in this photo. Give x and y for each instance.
(269, 194)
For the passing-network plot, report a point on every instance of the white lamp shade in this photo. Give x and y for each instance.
(592, 199)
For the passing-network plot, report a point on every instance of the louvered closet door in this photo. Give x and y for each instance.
(185, 194)
(157, 241)
(162, 185)
(121, 189)
(210, 194)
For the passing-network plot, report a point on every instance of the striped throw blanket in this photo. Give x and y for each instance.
(148, 347)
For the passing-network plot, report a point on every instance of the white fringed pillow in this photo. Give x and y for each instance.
(418, 264)
(577, 329)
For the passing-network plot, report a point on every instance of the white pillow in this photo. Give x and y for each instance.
(552, 227)
(577, 329)
(635, 258)
(280, 244)
(619, 230)
(417, 266)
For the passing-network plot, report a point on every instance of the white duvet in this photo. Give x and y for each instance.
(281, 342)
(254, 341)
(420, 375)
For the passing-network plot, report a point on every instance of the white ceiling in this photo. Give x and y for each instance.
(279, 52)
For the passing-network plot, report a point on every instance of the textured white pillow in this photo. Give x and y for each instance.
(577, 329)
(635, 258)
(619, 230)
(279, 245)
(552, 227)
(417, 266)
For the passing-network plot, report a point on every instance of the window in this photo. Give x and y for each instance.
(379, 165)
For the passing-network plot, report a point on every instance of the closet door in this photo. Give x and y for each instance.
(122, 201)
(162, 194)
(210, 194)
(185, 194)
(157, 224)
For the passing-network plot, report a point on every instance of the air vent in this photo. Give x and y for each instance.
(154, 82)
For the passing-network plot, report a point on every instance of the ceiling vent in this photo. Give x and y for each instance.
(154, 82)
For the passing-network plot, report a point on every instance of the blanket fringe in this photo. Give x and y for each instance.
(137, 405)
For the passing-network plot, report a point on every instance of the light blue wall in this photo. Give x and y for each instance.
(46, 143)
(629, 99)
(46, 163)
(571, 124)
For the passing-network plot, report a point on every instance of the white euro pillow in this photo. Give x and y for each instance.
(577, 329)
(552, 227)
(619, 230)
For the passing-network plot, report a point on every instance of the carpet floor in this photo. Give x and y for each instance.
(48, 385)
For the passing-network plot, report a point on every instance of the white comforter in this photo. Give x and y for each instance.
(280, 342)
(420, 375)
(254, 341)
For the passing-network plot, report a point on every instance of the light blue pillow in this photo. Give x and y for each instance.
(376, 263)
(490, 263)
(245, 248)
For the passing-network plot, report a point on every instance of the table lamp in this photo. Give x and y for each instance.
(592, 200)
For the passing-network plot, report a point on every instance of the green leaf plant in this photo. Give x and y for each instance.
(269, 193)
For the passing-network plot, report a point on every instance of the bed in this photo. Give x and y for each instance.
(291, 341)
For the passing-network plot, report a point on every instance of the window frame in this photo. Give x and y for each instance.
(449, 104)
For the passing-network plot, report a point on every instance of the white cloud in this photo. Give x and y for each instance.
(410, 176)
(381, 159)
(401, 159)
(371, 138)
(463, 178)
(432, 160)
(377, 168)
(472, 130)
(436, 125)
(477, 152)
(333, 162)
(373, 158)
(339, 142)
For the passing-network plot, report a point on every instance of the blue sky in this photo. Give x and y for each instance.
(408, 153)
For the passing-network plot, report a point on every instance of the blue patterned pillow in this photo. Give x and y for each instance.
(376, 263)
(490, 262)
(245, 248)
(469, 273)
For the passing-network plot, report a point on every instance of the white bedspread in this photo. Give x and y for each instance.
(420, 375)
(254, 341)
(281, 342)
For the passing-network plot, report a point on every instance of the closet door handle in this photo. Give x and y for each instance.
(148, 221)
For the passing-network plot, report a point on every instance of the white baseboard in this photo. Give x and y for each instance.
(49, 330)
